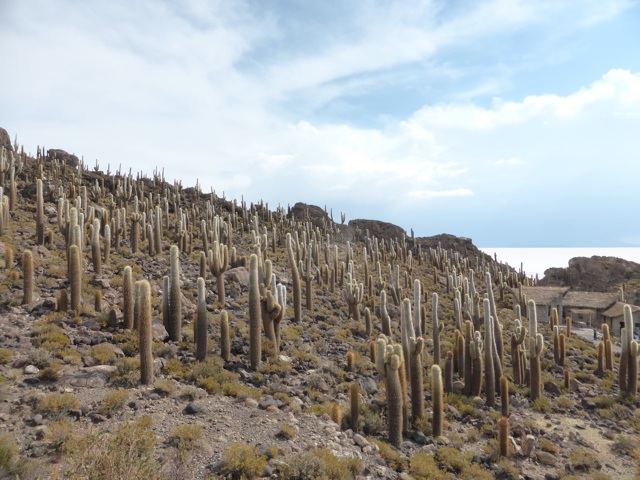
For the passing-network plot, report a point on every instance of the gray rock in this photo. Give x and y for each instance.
(31, 370)
(527, 446)
(551, 387)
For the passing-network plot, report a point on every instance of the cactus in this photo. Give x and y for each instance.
(39, 213)
(354, 402)
(335, 412)
(96, 254)
(566, 374)
(608, 347)
(225, 344)
(135, 231)
(145, 333)
(517, 337)
(351, 359)
(128, 300)
(536, 346)
(448, 372)
(416, 346)
(271, 311)
(27, 277)
(368, 326)
(75, 277)
(417, 324)
(97, 300)
(475, 353)
(295, 280)
(600, 357)
(503, 436)
(394, 400)
(372, 350)
(406, 332)
(384, 315)
(624, 360)
(556, 344)
(175, 297)
(62, 301)
(504, 396)
(107, 243)
(352, 293)
(255, 314)
(632, 353)
(218, 264)
(201, 325)
(437, 394)
(437, 329)
(563, 349)
(465, 361)
(489, 372)
(568, 323)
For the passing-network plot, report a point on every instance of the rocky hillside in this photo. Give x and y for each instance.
(149, 330)
(596, 274)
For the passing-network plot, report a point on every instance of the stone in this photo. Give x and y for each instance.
(360, 440)
(31, 369)
(546, 458)
(158, 331)
(551, 387)
(527, 446)
(192, 409)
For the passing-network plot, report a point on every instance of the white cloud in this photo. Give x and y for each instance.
(428, 194)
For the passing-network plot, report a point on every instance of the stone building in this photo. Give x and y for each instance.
(614, 317)
(546, 298)
(588, 307)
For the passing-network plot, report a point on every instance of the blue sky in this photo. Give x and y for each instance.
(515, 123)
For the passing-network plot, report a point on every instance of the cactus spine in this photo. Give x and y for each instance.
(255, 313)
(437, 393)
(201, 322)
(27, 277)
(144, 329)
(175, 297)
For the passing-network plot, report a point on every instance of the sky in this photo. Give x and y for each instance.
(514, 123)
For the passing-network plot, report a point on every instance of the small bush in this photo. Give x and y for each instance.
(186, 438)
(113, 401)
(59, 432)
(57, 404)
(5, 356)
(126, 373)
(52, 373)
(451, 459)
(288, 432)
(103, 354)
(391, 456)
(542, 405)
(422, 466)
(547, 446)
(242, 461)
(584, 459)
(165, 387)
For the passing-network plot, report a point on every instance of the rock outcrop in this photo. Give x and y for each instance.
(592, 274)
(5, 140)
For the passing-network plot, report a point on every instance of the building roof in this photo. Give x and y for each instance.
(595, 300)
(542, 295)
(618, 310)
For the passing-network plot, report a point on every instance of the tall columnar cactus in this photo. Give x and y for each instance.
(127, 296)
(27, 277)
(448, 372)
(437, 328)
(394, 400)
(562, 343)
(631, 350)
(145, 332)
(295, 281)
(384, 315)
(225, 341)
(368, 325)
(352, 293)
(96, 253)
(218, 264)
(175, 296)
(437, 394)
(39, 213)
(468, 369)
(271, 314)
(504, 396)
(202, 334)
(75, 277)
(489, 372)
(608, 347)
(135, 231)
(517, 337)
(416, 347)
(536, 346)
(568, 324)
(255, 314)
(475, 352)
(406, 330)
(600, 358)
(417, 324)
(556, 344)
(503, 436)
(107, 243)
(166, 286)
(497, 328)
(354, 401)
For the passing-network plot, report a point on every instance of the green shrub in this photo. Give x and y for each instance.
(242, 461)
(584, 459)
(288, 432)
(113, 401)
(390, 455)
(56, 404)
(451, 459)
(186, 438)
(5, 356)
(423, 466)
(127, 372)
